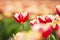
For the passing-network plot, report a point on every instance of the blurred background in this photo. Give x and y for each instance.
(8, 26)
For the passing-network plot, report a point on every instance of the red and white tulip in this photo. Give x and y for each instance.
(45, 20)
(48, 19)
(41, 20)
(21, 17)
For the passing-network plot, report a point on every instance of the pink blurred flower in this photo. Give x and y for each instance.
(21, 17)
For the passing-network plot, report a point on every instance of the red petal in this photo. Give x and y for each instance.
(26, 17)
(17, 20)
(47, 33)
(41, 20)
(58, 12)
(56, 27)
(20, 18)
(48, 19)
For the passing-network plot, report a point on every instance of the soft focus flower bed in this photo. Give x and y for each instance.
(44, 27)
(25, 25)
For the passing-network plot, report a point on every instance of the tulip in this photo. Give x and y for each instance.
(58, 9)
(21, 17)
(35, 25)
(33, 22)
(41, 20)
(55, 24)
(55, 27)
(47, 29)
(48, 19)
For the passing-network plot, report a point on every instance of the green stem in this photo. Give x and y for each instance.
(22, 26)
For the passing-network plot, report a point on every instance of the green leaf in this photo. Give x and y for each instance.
(51, 37)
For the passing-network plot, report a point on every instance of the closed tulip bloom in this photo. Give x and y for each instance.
(21, 17)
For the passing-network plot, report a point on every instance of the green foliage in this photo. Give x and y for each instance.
(8, 27)
(53, 36)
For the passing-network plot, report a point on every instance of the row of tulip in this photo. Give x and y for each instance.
(43, 24)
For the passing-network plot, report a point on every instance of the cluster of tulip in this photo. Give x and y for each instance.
(43, 24)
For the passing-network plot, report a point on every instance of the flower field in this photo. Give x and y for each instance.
(29, 20)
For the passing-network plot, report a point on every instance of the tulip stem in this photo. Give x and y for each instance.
(23, 26)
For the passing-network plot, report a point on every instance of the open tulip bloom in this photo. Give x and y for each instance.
(21, 17)
(43, 24)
